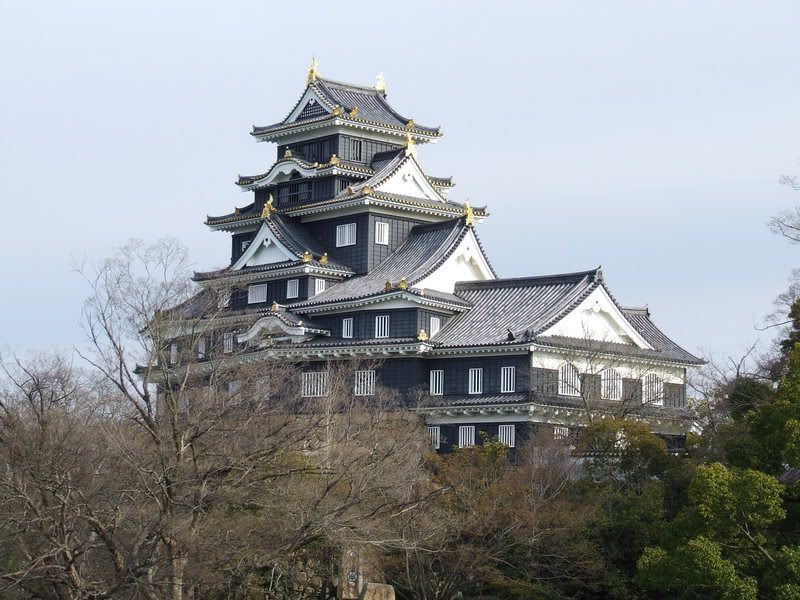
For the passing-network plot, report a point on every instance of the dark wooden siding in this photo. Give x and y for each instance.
(236, 244)
(276, 292)
(355, 256)
(369, 148)
(403, 323)
(632, 390)
(398, 232)
(448, 441)
(544, 382)
(456, 372)
(675, 395)
(316, 150)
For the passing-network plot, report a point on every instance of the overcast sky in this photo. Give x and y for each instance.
(644, 136)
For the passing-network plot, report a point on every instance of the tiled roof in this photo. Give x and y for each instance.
(425, 249)
(343, 165)
(640, 319)
(475, 400)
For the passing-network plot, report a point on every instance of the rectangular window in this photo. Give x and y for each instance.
(435, 433)
(347, 327)
(365, 383)
(652, 390)
(506, 434)
(257, 293)
(466, 436)
(382, 233)
(476, 381)
(436, 325)
(346, 235)
(382, 326)
(315, 384)
(292, 288)
(319, 286)
(437, 382)
(560, 433)
(355, 150)
(507, 379)
(173, 353)
(201, 348)
(223, 298)
(227, 342)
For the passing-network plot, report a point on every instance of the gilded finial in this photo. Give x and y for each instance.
(411, 146)
(313, 71)
(403, 284)
(411, 124)
(388, 286)
(367, 189)
(423, 335)
(335, 160)
(237, 211)
(287, 153)
(324, 259)
(338, 111)
(380, 83)
(469, 214)
(307, 256)
(269, 208)
(274, 307)
(354, 112)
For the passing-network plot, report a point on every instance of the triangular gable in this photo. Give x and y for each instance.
(263, 250)
(598, 318)
(409, 180)
(466, 263)
(273, 326)
(309, 95)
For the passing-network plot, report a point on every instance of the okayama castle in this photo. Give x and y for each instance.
(350, 250)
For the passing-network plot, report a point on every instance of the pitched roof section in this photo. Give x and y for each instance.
(640, 319)
(297, 164)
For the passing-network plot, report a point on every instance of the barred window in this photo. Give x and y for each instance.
(257, 293)
(610, 384)
(437, 382)
(365, 383)
(569, 380)
(560, 433)
(292, 288)
(436, 325)
(506, 434)
(435, 433)
(173, 353)
(315, 384)
(201, 348)
(653, 390)
(476, 381)
(346, 235)
(227, 342)
(319, 286)
(223, 298)
(466, 436)
(355, 150)
(382, 326)
(507, 379)
(347, 327)
(382, 233)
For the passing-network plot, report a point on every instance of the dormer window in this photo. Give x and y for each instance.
(346, 235)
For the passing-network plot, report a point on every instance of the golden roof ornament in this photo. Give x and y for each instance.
(287, 153)
(380, 83)
(422, 336)
(403, 284)
(411, 124)
(338, 110)
(354, 112)
(269, 208)
(335, 160)
(307, 256)
(388, 286)
(367, 189)
(411, 146)
(324, 259)
(469, 214)
(274, 307)
(313, 71)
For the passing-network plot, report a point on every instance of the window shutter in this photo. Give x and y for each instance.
(292, 288)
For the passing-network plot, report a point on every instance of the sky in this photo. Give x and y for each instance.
(646, 137)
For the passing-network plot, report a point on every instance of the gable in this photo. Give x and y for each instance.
(265, 249)
(309, 107)
(466, 263)
(598, 318)
(409, 180)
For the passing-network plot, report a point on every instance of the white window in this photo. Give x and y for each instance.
(382, 233)
(235, 391)
(201, 348)
(257, 293)
(476, 381)
(227, 342)
(436, 325)
(466, 436)
(365, 383)
(506, 434)
(610, 384)
(382, 326)
(319, 286)
(355, 150)
(437, 382)
(292, 288)
(315, 384)
(569, 380)
(347, 327)
(560, 433)
(223, 298)
(436, 436)
(507, 379)
(173, 353)
(652, 390)
(346, 235)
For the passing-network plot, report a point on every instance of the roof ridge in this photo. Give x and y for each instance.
(507, 282)
(353, 86)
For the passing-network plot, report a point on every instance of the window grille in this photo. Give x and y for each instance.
(437, 382)
(201, 348)
(257, 293)
(506, 434)
(476, 381)
(382, 233)
(382, 326)
(569, 380)
(560, 433)
(173, 353)
(365, 383)
(436, 325)
(345, 235)
(435, 434)
(223, 298)
(227, 342)
(507, 379)
(311, 110)
(653, 390)
(315, 384)
(319, 286)
(355, 150)
(610, 384)
(294, 192)
(466, 436)
(292, 288)
(347, 327)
